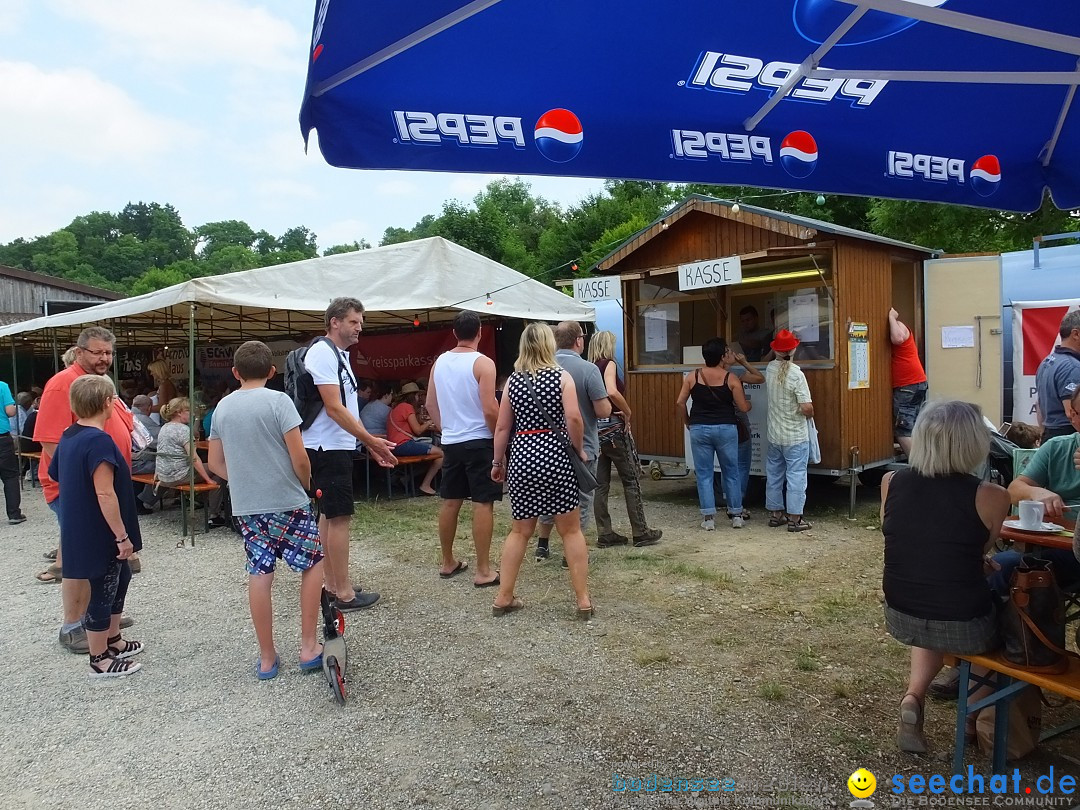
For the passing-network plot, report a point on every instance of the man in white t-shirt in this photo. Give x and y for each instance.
(331, 440)
(461, 403)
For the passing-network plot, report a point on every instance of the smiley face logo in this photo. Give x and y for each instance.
(862, 784)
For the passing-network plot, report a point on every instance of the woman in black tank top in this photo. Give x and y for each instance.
(714, 433)
(938, 521)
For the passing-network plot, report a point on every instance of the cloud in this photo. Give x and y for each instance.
(73, 116)
(195, 32)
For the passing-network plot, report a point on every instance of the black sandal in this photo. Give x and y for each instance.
(776, 522)
(799, 526)
(131, 648)
(117, 668)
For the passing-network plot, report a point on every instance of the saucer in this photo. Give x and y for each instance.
(1046, 528)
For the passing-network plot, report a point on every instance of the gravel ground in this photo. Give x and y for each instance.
(449, 707)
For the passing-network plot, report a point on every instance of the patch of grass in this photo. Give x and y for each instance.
(856, 747)
(838, 606)
(658, 564)
(771, 690)
(806, 660)
(786, 576)
(841, 690)
(726, 641)
(699, 573)
(649, 657)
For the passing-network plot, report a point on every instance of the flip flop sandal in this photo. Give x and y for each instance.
(52, 575)
(461, 566)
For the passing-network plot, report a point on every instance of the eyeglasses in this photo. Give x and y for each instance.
(98, 352)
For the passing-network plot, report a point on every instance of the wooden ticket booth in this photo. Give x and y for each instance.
(832, 286)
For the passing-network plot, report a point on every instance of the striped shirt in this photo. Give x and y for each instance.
(787, 425)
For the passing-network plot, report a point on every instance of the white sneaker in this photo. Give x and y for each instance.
(737, 522)
(708, 524)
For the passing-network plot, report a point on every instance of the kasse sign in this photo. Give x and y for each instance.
(711, 273)
(588, 290)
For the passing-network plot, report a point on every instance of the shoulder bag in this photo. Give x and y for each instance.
(586, 480)
(1032, 621)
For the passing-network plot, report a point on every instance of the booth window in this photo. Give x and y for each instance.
(758, 314)
(667, 319)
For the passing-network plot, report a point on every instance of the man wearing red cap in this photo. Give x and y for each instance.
(789, 437)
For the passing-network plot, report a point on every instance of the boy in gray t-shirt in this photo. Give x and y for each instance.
(255, 444)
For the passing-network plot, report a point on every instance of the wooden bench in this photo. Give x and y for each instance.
(35, 455)
(185, 490)
(402, 461)
(1006, 680)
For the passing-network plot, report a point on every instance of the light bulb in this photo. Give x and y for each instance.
(664, 224)
(820, 199)
(735, 208)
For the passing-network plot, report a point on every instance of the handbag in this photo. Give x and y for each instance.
(586, 480)
(812, 436)
(1033, 619)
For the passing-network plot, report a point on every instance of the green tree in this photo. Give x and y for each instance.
(214, 236)
(299, 240)
(363, 244)
(158, 278)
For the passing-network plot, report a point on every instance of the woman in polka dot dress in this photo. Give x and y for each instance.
(540, 478)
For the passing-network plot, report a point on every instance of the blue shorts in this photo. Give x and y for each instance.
(290, 536)
(413, 447)
(908, 401)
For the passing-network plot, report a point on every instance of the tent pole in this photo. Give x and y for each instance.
(191, 422)
(18, 427)
(55, 353)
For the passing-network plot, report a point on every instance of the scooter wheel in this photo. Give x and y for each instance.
(336, 679)
(339, 622)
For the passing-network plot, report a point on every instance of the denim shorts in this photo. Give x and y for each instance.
(907, 401)
(289, 536)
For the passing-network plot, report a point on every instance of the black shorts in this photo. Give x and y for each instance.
(466, 472)
(331, 471)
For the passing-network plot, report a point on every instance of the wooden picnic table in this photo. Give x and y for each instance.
(1059, 540)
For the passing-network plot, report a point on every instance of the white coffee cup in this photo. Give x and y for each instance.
(1031, 514)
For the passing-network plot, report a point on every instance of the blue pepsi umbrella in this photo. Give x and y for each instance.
(956, 101)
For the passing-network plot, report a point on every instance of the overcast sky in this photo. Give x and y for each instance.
(192, 103)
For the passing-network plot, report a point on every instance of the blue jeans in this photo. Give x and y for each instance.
(786, 464)
(1066, 569)
(721, 441)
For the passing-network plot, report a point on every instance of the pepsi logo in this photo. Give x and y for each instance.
(799, 154)
(816, 20)
(986, 175)
(558, 135)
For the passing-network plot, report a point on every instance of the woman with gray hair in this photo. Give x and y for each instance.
(939, 520)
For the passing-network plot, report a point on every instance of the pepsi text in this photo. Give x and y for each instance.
(928, 167)
(689, 143)
(729, 72)
(466, 129)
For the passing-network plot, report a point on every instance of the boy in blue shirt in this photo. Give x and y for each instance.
(255, 444)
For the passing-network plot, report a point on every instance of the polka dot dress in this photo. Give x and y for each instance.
(539, 478)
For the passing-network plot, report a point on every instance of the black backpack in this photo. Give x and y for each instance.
(300, 386)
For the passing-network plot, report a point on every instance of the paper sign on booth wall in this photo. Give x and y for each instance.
(858, 355)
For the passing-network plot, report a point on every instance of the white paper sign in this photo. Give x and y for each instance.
(958, 337)
(587, 290)
(803, 317)
(711, 273)
(656, 326)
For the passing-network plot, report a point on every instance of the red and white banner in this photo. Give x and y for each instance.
(1034, 336)
(408, 355)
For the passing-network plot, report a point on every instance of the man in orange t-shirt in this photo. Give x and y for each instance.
(908, 381)
(93, 355)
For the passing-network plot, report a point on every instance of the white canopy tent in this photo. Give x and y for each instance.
(430, 279)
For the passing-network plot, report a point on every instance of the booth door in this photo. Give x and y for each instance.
(963, 331)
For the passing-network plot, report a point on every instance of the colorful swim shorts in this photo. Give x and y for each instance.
(290, 536)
